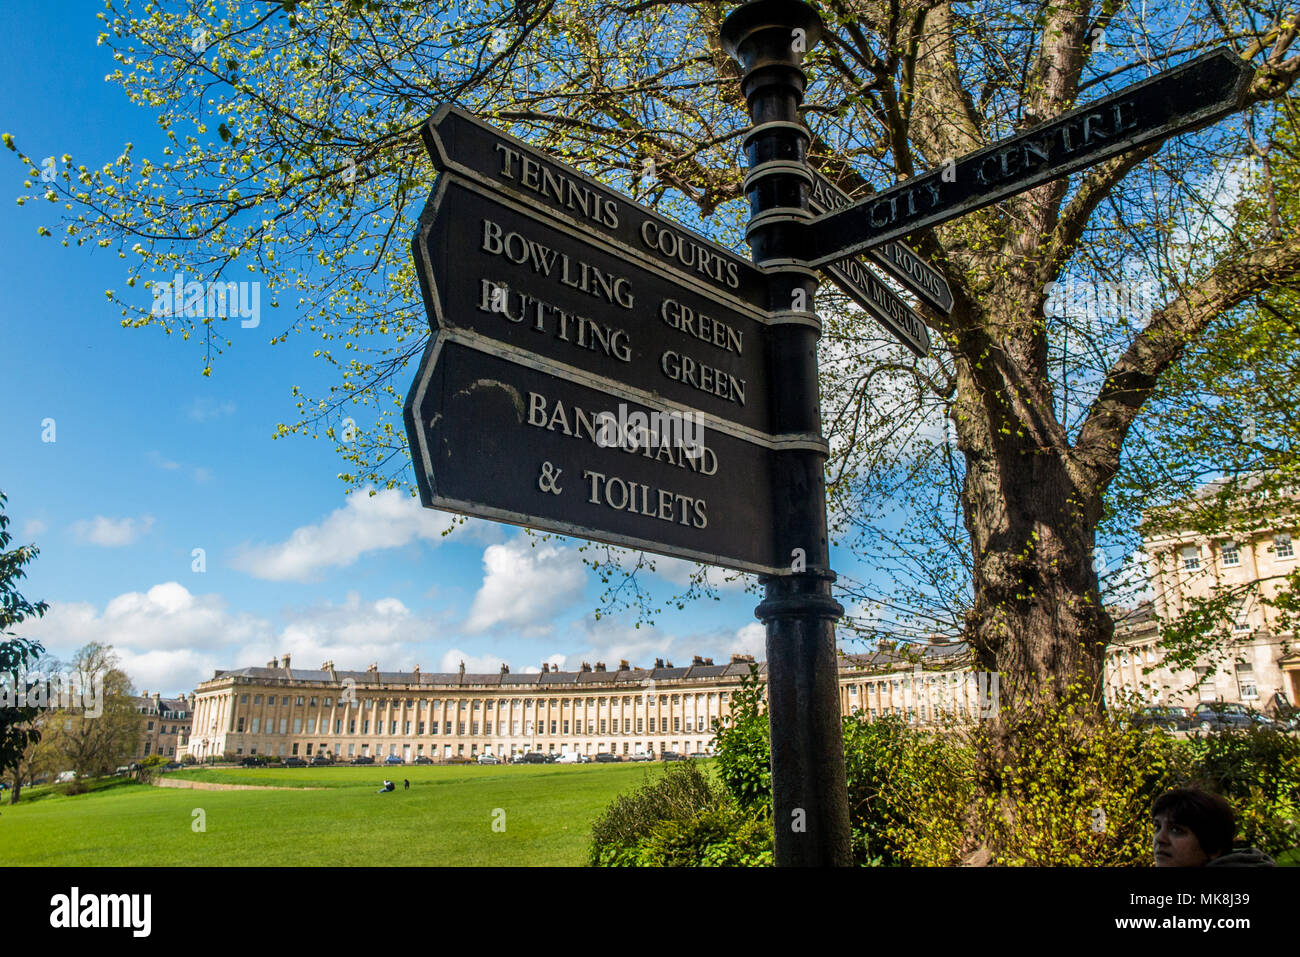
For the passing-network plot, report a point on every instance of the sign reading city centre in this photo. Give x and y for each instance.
(595, 369)
(1187, 97)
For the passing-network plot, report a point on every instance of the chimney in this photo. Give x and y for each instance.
(546, 668)
(327, 666)
(669, 665)
(462, 671)
(659, 662)
(284, 660)
(885, 645)
(272, 663)
(416, 672)
(505, 668)
(600, 666)
(742, 659)
(623, 665)
(146, 693)
(373, 668)
(585, 666)
(708, 661)
(697, 660)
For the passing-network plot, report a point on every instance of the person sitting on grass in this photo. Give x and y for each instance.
(1195, 829)
(388, 786)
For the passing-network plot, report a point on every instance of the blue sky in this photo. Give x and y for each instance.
(150, 461)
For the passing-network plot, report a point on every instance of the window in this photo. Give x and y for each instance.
(460, 728)
(329, 702)
(284, 725)
(257, 699)
(352, 726)
(566, 727)
(392, 727)
(446, 727)
(477, 704)
(553, 724)
(419, 729)
(1242, 621)
(255, 723)
(311, 725)
(1205, 683)
(473, 728)
(295, 747)
(313, 702)
(297, 725)
(627, 725)
(239, 726)
(639, 728)
(1282, 545)
(1246, 681)
(677, 724)
(365, 727)
(297, 702)
(150, 728)
(1231, 556)
(652, 725)
(602, 725)
(1191, 558)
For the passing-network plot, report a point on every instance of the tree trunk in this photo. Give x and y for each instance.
(17, 789)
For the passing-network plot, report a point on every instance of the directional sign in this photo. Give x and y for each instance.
(509, 273)
(496, 439)
(463, 144)
(895, 258)
(1187, 97)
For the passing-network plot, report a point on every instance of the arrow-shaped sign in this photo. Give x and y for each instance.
(895, 258)
(1187, 97)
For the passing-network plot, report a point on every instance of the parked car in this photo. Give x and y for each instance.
(294, 763)
(643, 756)
(1213, 717)
(569, 757)
(487, 757)
(534, 757)
(394, 759)
(460, 759)
(320, 760)
(699, 755)
(606, 758)
(363, 759)
(1163, 716)
(422, 759)
(254, 761)
(1261, 720)
(670, 756)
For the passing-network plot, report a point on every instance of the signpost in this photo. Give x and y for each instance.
(600, 371)
(895, 258)
(1187, 97)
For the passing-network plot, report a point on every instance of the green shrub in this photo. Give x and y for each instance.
(681, 793)
(719, 837)
(744, 751)
(1258, 771)
(909, 791)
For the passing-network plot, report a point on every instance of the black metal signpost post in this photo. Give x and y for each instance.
(598, 370)
(809, 799)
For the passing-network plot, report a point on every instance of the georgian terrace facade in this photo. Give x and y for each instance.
(281, 711)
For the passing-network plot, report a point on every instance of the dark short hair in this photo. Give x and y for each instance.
(1205, 814)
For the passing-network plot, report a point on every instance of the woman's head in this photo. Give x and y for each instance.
(1191, 828)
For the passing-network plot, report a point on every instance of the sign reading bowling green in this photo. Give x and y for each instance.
(497, 439)
(1187, 97)
(500, 270)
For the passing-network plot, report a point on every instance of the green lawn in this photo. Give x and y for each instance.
(446, 818)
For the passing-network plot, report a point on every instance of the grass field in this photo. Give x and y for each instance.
(446, 818)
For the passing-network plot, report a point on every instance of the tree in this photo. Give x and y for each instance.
(292, 148)
(96, 744)
(18, 728)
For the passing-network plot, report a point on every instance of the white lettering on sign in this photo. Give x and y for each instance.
(581, 332)
(689, 253)
(665, 505)
(565, 190)
(519, 249)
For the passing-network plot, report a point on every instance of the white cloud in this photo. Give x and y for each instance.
(169, 640)
(33, 527)
(474, 664)
(749, 640)
(203, 409)
(525, 585)
(681, 572)
(110, 532)
(387, 519)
